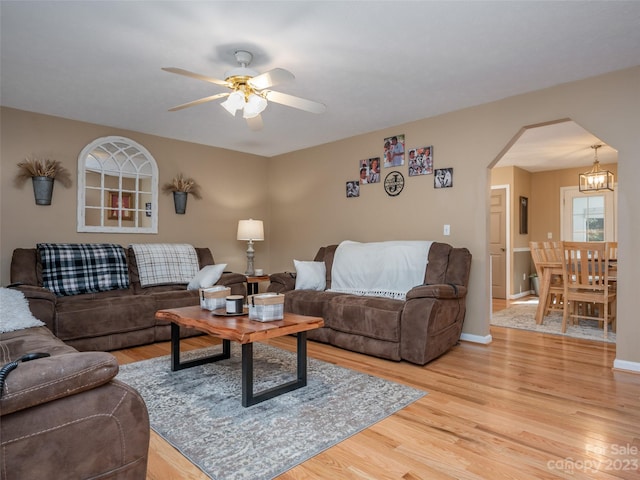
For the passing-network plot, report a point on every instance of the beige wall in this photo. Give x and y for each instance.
(305, 205)
(309, 208)
(232, 185)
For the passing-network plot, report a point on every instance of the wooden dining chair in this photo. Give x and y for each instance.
(585, 273)
(544, 254)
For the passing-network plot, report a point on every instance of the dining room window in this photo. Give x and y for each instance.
(588, 217)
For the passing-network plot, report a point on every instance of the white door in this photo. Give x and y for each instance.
(498, 242)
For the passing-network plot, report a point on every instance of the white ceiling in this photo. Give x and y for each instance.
(374, 64)
(555, 147)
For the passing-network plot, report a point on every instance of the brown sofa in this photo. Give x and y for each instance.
(113, 319)
(65, 416)
(419, 329)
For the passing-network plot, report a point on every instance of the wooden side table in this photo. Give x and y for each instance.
(253, 281)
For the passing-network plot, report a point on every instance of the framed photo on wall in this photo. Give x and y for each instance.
(524, 215)
(443, 178)
(369, 170)
(116, 210)
(421, 161)
(353, 188)
(394, 151)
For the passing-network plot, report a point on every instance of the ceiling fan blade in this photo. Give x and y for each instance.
(255, 123)
(198, 102)
(271, 78)
(197, 76)
(296, 102)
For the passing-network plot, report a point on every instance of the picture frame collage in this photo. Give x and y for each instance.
(417, 160)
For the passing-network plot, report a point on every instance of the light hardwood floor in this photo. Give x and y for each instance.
(527, 406)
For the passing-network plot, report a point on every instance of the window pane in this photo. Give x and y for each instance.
(588, 219)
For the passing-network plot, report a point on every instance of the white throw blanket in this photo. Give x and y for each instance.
(165, 263)
(381, 269)
(15, 313)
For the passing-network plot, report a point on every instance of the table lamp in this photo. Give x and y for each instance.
(250, 230)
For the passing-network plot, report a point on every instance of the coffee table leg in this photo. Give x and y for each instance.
(176, 364)
(247, 375)
(248, 397)
(302, 359)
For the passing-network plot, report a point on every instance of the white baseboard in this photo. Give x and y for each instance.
(467, 337)
(521, 295)
(625, 365)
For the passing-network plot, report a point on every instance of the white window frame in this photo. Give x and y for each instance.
(567, 194)
(126, 158)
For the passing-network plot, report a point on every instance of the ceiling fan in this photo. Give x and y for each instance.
(249, 90)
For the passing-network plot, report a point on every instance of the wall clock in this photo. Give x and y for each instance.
(393, 183)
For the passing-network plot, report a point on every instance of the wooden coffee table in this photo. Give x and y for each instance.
(244, 331)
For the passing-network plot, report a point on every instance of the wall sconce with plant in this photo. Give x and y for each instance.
(42, 172)
(181, 187)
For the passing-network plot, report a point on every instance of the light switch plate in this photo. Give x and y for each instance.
(447, 230)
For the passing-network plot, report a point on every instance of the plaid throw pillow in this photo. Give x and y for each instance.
(73, 268)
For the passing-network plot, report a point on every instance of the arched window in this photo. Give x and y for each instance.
(117, 187)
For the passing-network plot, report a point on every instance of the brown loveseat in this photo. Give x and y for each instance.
(418, 329)
(112, 319)
(65, 416)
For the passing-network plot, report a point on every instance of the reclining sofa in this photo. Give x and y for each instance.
(111, 319)
(65, 416)
(419, 328)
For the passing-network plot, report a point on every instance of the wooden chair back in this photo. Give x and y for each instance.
(536, 256)
(586, 281)
(545, 254)
(586, 266)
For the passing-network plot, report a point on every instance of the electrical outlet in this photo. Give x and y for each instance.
(447, 230)
(549, 235)
(524, 276)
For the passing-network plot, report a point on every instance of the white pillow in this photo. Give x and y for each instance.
(207, 277)
(310, 275)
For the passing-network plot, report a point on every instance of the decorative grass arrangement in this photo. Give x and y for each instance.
(42, 167)
(181, 184)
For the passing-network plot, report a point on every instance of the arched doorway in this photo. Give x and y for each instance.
(540, 164)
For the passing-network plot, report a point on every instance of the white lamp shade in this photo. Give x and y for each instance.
(250, 230)
(233, 103)
(254, 106)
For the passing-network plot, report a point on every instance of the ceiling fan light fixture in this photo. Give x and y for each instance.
(255, 106)
(249, 91)
(234, 102)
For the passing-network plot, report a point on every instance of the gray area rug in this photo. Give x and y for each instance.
(198, 410)
(522, 316)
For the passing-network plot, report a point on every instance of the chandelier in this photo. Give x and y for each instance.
(596, 179)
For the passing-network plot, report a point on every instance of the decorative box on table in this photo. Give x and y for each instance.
(213, 298)
(266, 307)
